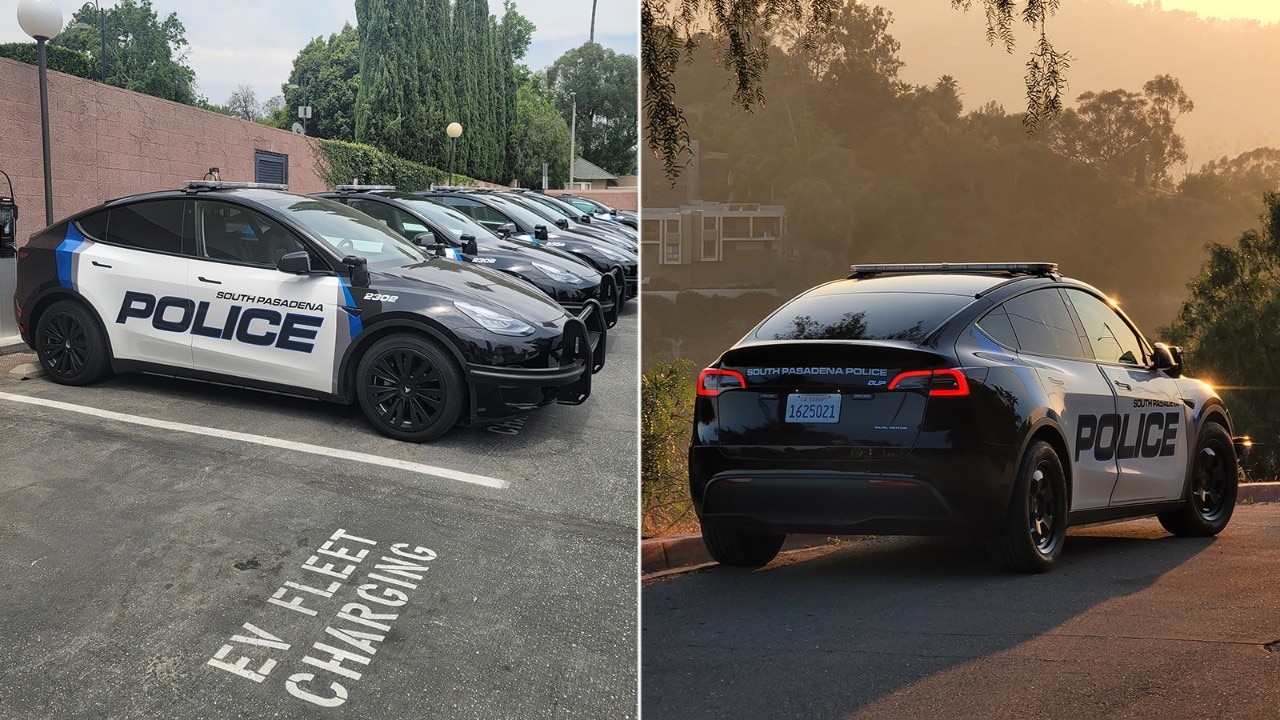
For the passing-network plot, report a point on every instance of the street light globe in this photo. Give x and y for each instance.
(454, 130)
(41, 19)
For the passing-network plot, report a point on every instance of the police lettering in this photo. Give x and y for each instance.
(253, 326)
(1123, 437)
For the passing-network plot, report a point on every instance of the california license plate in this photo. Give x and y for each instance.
(813, 408)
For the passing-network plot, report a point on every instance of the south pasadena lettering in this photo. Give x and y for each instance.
(854, 371)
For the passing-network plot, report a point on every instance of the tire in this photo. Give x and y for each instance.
(1035, 527)
(409, 388)
(1211, 491)
(70, 344)
(741, 549)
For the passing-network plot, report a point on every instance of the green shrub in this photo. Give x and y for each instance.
(666, 417)
(59, 58)
(340, 162)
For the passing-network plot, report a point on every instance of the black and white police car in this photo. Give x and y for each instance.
(250, 285)
(569, 281)
(1001, 401)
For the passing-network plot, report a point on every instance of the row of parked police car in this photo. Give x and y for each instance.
(427, 309)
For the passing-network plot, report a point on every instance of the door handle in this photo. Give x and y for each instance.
(204, 279)
(1055, 380)
(1126, 386)
(98, 264)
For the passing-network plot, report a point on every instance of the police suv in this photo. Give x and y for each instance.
(1001, 401)
(250, 285)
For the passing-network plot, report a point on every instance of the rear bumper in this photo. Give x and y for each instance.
(500, 392)
(920, 493)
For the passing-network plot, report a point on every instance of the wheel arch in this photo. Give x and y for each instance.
(56, 294)
(387, 326)
(1049, 431)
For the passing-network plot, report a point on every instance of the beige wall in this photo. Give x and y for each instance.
(107, 142)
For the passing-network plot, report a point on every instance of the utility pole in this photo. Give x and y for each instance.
(592, 36)
(573, 137)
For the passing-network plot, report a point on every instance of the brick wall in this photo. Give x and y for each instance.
(106, 142)
(617, 198)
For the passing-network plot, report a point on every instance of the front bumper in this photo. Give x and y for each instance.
(499, 392)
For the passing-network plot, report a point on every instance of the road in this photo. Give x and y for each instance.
(181, 550)
(1133, 624)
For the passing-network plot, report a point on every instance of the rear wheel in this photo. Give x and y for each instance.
(1211, 494)
(741, 549)
(1035, 527)
(71, 347)
(409, 388)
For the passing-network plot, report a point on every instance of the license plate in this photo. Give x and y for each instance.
(824, 408)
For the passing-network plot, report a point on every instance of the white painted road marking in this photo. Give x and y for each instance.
(420, 468)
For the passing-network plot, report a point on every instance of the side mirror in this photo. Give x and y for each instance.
(295, 263)
(424, 239)
(584, 219)
(359, 270)
(563, 223)
(540, 232)
(1169, 359)
(506, 230)
(469, 246)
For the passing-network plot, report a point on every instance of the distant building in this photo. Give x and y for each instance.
(713, 245)
(589, 176)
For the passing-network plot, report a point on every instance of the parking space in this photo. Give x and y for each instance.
(176, 549)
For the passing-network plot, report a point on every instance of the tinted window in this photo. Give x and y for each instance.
(1042, 324)
(95, 225)
(861, 316)
(483, 214)
(998, 326)
(238, 234)
(155, 225)
(347, 231)
(450, 219)
(1105, 331)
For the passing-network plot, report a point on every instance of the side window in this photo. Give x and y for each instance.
(1111, 338)
(231, 233)
(997, 325)
(1042, 324)
(381, 212)
(479, 212)
(154, 225)
(95, 225)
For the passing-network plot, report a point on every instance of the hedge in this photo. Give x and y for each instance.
(59, 58)
(340, 162)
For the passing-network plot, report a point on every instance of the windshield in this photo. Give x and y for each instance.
(453, 222)
(549, 208)
(348, 231)
(525, 217)
(861, 316)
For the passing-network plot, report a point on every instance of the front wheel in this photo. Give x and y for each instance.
(1211, 494)
(1035, 527)
(741, 549)
(71, 347)
(409, 388)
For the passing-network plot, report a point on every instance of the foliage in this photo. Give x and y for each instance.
(1247, 175)
(57, 58)
(1126, 132)
(243, 103)
(144, 53)
(330, 69)
(389, 111)
(666, 419)
(604, 84)
(540, 135)
(1227, 327)
(743, 30)
(343, 162)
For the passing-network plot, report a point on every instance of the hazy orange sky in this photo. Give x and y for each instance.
(1264, 11)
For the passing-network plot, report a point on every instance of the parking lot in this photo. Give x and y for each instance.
(185, 550)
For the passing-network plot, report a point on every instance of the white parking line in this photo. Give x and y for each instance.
(431, 470)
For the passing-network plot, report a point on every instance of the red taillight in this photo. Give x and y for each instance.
(939, 383)
(23, 252)
(712, 381)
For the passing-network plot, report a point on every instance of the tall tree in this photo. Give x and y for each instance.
(332, 70)
(390, 113)
(438, 92)
(243, 103)
(540, 135)
(604, 84)
(144, 54)
(470, 26)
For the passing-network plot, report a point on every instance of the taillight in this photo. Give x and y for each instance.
(23, 252)
(713, 381)
(939, 383)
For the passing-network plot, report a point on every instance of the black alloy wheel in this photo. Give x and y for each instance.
(1211, 492)
(70, 345)
(409, 388)
(1036, 524)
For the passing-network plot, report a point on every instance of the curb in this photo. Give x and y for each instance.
(680, 551)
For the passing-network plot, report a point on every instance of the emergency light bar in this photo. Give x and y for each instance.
(225, 185)
(359, 188)
(1025, 268)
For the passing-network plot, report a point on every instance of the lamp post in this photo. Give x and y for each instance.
(102, 36)
(454, 131)
(573, 136)
(42, 20)
(304, 110)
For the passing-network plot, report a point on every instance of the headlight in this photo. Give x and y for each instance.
(612, 254)
(558, 274)
(497, 322)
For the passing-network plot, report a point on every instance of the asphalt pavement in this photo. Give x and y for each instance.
(1133, 623)
(183, 550)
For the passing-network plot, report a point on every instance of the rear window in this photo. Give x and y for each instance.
(861, 316)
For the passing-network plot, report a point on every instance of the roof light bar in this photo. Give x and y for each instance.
(1026, 268)
(225, 185)
(359, 188)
